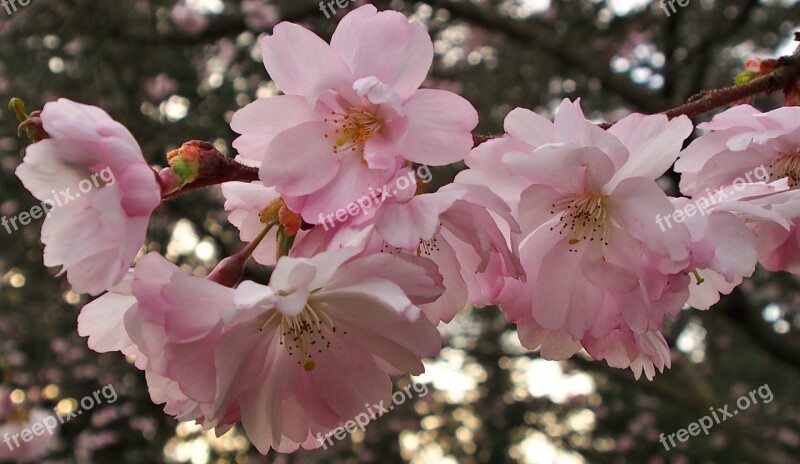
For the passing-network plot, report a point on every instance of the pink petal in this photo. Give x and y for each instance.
(530, 128)
(196, 306)
(398, 52)
(439, 128)
(301, 63)
(456, 294)
(562, 300)
(262, 120)
(567, 168)
(572, 127)
(653, 143)
(346, 37)
(636, 203)
(415, 275)
(102, 320)
(354, 182)
(299, 161)
(554, 345)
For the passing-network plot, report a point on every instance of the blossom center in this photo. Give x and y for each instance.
(786, 165)
(584, 218)
(353, 129)
(305, 332)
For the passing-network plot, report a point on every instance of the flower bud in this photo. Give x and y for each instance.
(195, 160)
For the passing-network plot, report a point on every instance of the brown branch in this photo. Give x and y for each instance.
(785, 75)
(722, 28)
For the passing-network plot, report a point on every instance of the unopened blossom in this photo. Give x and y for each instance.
(588, 220)
(98, 191)
(352, 114)
(744, 145)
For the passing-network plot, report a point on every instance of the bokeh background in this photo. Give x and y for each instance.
(174, 71)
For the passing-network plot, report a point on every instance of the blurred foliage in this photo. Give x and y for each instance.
(173, 72)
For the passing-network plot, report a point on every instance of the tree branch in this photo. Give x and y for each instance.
(785, 75)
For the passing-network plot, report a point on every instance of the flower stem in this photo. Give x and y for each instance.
(230, 270)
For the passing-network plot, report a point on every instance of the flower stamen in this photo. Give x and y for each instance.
(786, 165)
(355, 127)
(583, 218)
(303, 332)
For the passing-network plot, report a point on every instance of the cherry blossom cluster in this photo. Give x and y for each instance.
(555, 222)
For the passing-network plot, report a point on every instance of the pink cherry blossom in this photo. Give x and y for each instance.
(746, 145)
(292, 360)
(724, 249)
(103, 321)
(588, 221)
(460, 228)
(611, 338)
(177, 325)
(352, 114)
(302, 356)
(755, 147)
(777, 242)
(93, 233)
